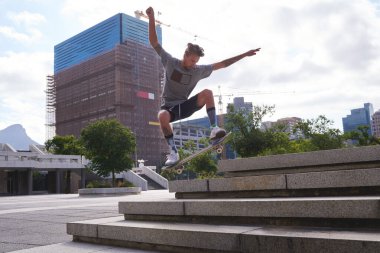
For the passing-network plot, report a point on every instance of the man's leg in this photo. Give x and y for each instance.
(206, 97)
(164, 118)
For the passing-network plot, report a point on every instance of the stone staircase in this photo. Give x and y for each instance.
(324, 201)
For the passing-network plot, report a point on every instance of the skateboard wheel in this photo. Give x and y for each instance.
(179, 171)
(219, 150)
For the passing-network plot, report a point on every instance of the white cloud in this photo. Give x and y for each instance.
(22, 85)
(327, 51)
(30, 36)
(26, 18)
(25, 27)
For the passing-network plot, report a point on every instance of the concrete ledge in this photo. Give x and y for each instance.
(196, 236)
(109, 191)
(152, 207)
(248, 183)
(311, 208)
(199, 185)
(229, 184)
(332, 208)
(334, 179)
(88, 227)
(362, 157)
(328, 183)
(175, 237)
(300, 240)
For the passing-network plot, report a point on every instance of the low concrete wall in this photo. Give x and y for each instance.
(324, 160)
(109, 191)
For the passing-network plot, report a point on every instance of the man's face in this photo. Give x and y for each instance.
(189, 60)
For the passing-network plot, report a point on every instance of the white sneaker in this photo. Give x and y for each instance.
(172, 158)
(217, 133)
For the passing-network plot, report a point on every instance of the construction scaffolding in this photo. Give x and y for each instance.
(50, 107)
(124, 84)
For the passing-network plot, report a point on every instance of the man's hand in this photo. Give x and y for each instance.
(152, 27)
(150, 12)
(252, 52)
(232, 60)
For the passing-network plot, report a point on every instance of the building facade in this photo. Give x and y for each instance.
(35, 171)
(110, 71)
(359, 117)
(239, 104)
(197, 129)
(287, 124)
(376, 124)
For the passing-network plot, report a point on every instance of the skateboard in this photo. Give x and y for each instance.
(218, 147)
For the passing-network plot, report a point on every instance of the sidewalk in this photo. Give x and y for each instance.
(37, 223)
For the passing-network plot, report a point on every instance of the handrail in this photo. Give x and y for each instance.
(155, 176)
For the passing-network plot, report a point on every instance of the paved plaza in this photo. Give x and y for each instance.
(37, 223)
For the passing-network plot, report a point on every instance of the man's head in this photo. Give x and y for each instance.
(192, 54)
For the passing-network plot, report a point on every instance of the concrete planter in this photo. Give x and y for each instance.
(109, 191)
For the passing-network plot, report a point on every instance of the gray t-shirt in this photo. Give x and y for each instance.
(179, 82)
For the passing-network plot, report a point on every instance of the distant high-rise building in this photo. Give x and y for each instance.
(110, 71)
(287, 124)
(376, 124)
(239, 104)
(195, 130)
(358, 117)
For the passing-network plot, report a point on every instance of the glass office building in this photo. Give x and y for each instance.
(359, 117)
(101, 38)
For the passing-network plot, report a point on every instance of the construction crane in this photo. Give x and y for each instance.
(220, 99)
(139, 14)
(220, 96)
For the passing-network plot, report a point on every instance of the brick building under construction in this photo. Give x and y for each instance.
(109, 71)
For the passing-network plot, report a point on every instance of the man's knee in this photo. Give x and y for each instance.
(207, 93)
(164, 116)
(206, 97)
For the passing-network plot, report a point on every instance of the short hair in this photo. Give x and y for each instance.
(194, 49)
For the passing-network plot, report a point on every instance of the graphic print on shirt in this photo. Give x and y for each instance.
(181, 78)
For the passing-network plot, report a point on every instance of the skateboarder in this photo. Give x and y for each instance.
(181, 78)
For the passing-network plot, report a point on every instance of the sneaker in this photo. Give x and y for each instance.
(172, 158)
(217, 133)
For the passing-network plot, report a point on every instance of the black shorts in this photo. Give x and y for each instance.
(183, 110)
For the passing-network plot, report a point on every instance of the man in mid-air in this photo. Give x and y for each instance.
(181, 78)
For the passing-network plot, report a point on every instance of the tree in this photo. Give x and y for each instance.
(249, 139)
(320, 134)
(204, 165)
(277, 141)
(109, 145)
(64, 145)
(362, 137)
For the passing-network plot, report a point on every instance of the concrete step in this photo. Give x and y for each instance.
(326, 160)
(182, 237)
(358, 212)
(362, 182)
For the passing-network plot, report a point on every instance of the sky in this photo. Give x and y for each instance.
(318, 57)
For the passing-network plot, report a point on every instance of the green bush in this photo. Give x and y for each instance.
(125, 184)
(102, 184)
(98, 184)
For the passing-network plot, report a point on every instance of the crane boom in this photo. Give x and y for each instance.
(140, 14)
(220, 96)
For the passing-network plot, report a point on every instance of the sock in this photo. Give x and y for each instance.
(170, 141)
(212, 116)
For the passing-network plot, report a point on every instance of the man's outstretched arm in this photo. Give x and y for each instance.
(152, 27)
(232, 60)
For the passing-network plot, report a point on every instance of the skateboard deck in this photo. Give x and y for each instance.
(218, 147)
